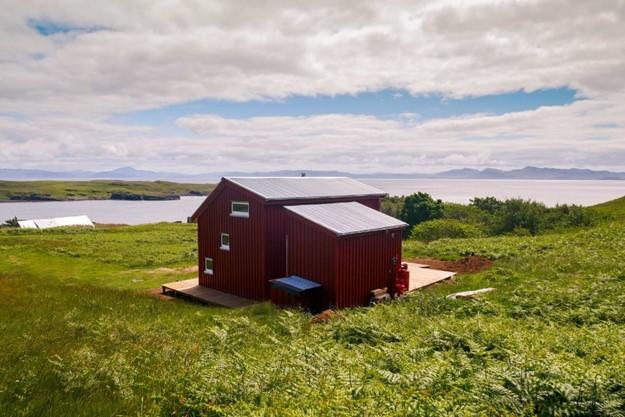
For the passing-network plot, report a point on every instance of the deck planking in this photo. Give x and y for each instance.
(421, 276)
(190, 288)
(424, 276)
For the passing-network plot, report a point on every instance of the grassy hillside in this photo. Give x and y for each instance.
(613, 208)
(81, 336)
(97, 190)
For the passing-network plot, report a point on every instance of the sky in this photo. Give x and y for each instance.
(197, 86)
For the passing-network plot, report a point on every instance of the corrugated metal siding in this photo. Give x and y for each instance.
(275, 232)
(257, 250)
(364, 263)
(240, 270)
(311, 255)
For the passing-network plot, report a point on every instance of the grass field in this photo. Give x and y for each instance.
(81, 335)
(97, 190)
(613, 208)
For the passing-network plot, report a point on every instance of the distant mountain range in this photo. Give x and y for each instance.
(129, 173)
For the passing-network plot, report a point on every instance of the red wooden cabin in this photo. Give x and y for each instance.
(348, 248)
(243, 227)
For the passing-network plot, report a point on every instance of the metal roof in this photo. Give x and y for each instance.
(56, 222)
(294, 284)
(27, 224)
(290, 188)
(346, 218)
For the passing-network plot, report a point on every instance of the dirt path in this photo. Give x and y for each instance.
(185, 270)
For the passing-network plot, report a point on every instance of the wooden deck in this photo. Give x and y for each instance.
(422, 276)
(190, 288)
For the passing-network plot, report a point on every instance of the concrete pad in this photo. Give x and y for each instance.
(423, 277)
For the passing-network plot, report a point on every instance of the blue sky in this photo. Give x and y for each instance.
(382, 104)
(49, 28)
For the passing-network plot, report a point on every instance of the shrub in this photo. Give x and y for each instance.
(443, 228)
(562, 216)
(513, 216)
(420, 207)
(466, 214)
(487, 204)
(518, 213)
(392, 206)
(11, 223)
(520, 231)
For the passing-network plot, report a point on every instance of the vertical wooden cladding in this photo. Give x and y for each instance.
(348, 267)
(275, 236)
(240, 270)
(275, 229)
(258, 250)
(364, 263)
(311, 255)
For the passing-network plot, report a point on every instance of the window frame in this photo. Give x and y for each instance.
(223, 246)
(210, 271)
(236, 213)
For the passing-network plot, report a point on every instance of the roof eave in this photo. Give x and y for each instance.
(363, 232)
(207, 201)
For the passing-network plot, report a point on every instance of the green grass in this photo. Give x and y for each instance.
(80, 336)
(96, 190)
(613, 208)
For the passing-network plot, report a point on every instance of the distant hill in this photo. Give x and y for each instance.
(129, 173)
(56, 190)
(534, 173)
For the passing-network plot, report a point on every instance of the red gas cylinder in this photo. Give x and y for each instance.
(402, 279)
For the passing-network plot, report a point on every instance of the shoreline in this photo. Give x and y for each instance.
(102, 199)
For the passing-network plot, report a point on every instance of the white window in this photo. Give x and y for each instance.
(240, 209)
(208, 266)
(225, 241)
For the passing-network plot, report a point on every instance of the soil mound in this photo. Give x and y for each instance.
(324, 317)
(466, 265)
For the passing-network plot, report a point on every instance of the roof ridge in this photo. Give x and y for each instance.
(290, 177)
(291, 188)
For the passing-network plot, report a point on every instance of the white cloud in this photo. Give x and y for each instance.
(565, 136)
(155, 54)
(147, 54)
(552, 136)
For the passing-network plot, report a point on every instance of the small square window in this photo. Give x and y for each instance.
(208, 266)
(225, 241)
(240, 209)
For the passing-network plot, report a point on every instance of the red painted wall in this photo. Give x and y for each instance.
(349, 268)
(311, 255)
(257, 244)
(365, 264)
(275, 230)
(275, 250)
(240, 270)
